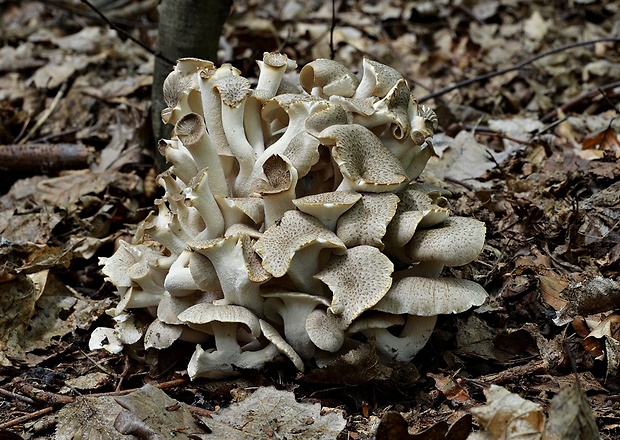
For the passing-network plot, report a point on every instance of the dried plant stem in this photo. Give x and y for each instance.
(27, 417)
(46, 114)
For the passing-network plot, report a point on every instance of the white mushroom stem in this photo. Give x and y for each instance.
(253, 124)
(283, 346)
(158, 226)
(272, 69)
(298, 111)
(227, 257)
(294, 308)
(212, 106)
(191, 130)
(135, 298)
(180, 158)
(278, 189)
(179, 280)
(200, 197)
(188, 217)
(232, 120)
(413, 337)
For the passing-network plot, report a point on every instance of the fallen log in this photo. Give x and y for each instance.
(44, 158)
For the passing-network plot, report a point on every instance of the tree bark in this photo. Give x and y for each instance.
(187, 28)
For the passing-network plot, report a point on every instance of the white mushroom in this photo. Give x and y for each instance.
(233, 91)
(225, 322)
(272, 68)
(192, 131)
(358, 280)
(366, 164)
(293, 247)
(293, 308)
(327, 207)
(455, 242)
(377, 79)
(180, 89)
(284, 213)
(277, 188)
(230, 259)
(324, 77)
(366, 222)
(199, 195)
(422, 299)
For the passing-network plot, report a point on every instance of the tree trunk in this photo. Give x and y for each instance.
(187, 28)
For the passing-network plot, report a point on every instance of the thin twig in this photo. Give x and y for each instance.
(158, 54)
(519, 66)
(332, 49)
(15, 396)
(27, 417)
(46, 114)
(578, 99)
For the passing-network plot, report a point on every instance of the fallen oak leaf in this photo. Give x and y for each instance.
(269, 412)
(507, 416)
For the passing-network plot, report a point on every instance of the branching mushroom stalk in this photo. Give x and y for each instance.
(294, 224)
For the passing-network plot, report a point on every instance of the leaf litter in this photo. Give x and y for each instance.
(532, 152)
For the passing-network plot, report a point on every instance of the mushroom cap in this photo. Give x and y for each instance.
(296, 231)
(115, 267)
(284, 347)
(161, 335)
(199, 315)
(367, 221)
(327, 207)
(241, 210)
(190, 128)
(233, 89)
(377, 79)
(291, 309)
(189, 65)
(325, 116)
(364, 161)
(358, 280)
(415, 210)
(278, 176)
(324, 330)
(278, 59)
(375, 321)
(170, 307)
(457, 241)
(423, 296)
(332, 77)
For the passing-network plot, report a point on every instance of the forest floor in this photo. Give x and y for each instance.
(531, 149)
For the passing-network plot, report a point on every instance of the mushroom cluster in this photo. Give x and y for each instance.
(292, 221)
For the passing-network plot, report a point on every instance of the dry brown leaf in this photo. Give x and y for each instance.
(571, 417)
(508, 416)
(452, 388)
(89, 418)
(268, 412)
(151, 415)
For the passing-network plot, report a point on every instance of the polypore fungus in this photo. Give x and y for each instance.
(285, 211)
